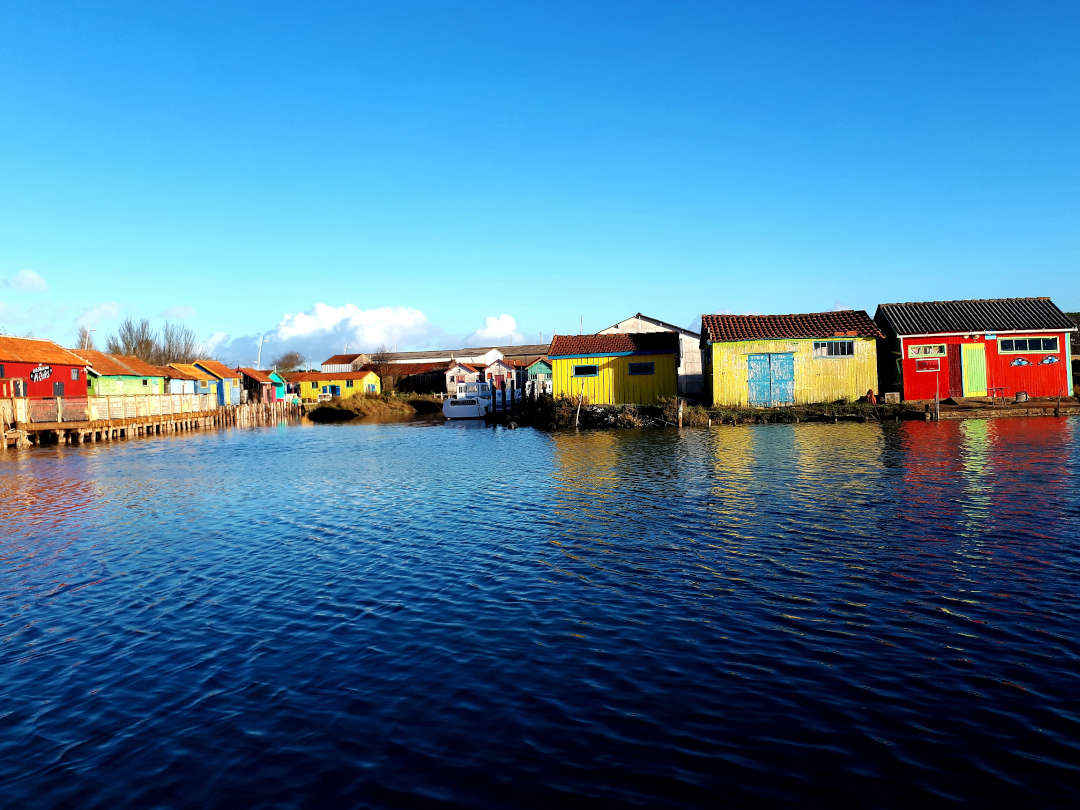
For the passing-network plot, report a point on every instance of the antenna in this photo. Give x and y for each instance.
(580, 328)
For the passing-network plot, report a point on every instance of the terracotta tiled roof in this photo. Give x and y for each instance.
(340, 360)
(193, 373)
(108, 365)
(843, 323)
(258, 376)
(467, 366)
(618, 343)
(29, 350)
(217, 369)
(983, 315)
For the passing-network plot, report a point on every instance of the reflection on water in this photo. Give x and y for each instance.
(402, 615)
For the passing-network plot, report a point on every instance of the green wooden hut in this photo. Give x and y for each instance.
(110, 375)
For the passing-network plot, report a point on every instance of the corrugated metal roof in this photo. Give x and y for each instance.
(193, 372)
(258, 376)
(218, 369)
(617, 343)
(108, 365)
(670, 326)
(30, 350)
(842, 323)
(174, 372)
(976, 315)
(141, 367)
(340, 359)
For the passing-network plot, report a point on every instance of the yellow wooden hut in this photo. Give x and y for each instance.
(626, 368)
(313, 386)
(769, 360)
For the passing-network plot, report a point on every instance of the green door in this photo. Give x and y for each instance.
(973, 359)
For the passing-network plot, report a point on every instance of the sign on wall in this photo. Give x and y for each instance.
(40, 373)
(926, 350)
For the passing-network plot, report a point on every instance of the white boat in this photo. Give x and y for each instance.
(472, 401)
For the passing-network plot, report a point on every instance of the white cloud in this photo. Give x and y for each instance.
(497, 329)
(180, 312)
(367, 328)
(214, 341)
(25, 280)
(95, 314)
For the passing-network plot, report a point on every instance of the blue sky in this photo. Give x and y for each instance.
(413, 173)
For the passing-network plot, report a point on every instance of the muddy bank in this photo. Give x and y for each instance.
(376, 409)
(560, 414)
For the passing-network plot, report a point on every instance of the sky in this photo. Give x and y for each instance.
(417, 174)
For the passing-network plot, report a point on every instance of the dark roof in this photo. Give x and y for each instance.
(983, 315)
(842, 323)
(29, 350)
(671, 326)
(340, 359)
(617, 343)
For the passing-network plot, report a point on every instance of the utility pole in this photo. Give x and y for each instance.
(258, 362)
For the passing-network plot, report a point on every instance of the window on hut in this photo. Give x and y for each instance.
(74, 373)
(834, 348)
(638, 369)
(348, 383)
(1021, 345)
(586, 371)
(58, 389)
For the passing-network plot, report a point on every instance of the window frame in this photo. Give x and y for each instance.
(651, 372)
(935, 360)
(827, 344)
(1027, 348)
(594, 366)
(913, 355)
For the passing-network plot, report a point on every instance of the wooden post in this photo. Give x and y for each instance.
(680, 412)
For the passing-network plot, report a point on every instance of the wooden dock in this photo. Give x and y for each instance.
(20, 434)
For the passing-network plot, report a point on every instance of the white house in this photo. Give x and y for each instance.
(691, 376)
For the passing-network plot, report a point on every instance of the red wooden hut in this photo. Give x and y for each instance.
(257, 384)
(39, 368)
(996, 347)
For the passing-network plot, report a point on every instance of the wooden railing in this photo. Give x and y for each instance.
(92, 409)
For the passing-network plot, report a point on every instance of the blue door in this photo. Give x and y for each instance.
(758, 377)
(782, 368)
(771, 379)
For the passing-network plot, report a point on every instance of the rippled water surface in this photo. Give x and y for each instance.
(402, 615)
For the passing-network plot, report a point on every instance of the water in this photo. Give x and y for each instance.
(402, 615)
